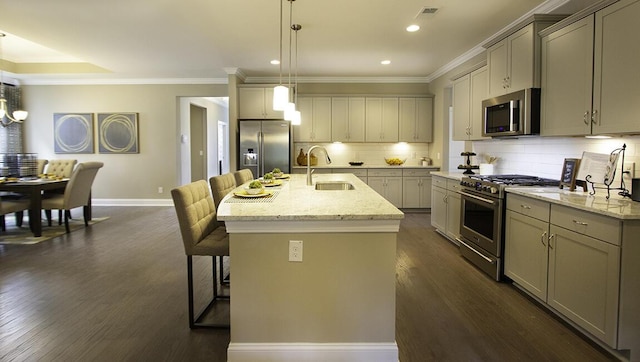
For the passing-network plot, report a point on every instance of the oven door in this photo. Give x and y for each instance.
(481, 221)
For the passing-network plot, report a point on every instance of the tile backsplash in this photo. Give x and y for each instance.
(372, 154)
(544, 156)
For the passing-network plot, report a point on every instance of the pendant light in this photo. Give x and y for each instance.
(297, 117)
(280, 92)
(290, 107)
(5, 117)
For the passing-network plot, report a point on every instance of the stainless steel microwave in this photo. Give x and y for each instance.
(513, 114)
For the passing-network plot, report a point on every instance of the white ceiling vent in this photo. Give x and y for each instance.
(427, 10)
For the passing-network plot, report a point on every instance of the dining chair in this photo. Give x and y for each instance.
(201, 235)
(221, 186)
(243, 176)
(77, 193)
(41, 163)
(61, 168)
(13, 206)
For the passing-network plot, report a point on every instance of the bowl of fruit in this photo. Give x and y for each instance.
(394, 161)
(277, 172)
(255, 187)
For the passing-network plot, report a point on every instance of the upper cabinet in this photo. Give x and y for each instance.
(347, 119)
(315, 126)
(513, 61)
(468, 93)
(415, 119)
(381, 119)
(589, 85)
(257, 103)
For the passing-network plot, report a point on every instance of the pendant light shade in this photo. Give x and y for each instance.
(280, 97)
(289, 110)
(297, 118)
(5, 117)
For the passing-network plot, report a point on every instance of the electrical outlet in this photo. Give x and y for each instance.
(160, 190)
(295, 250)
(629, 171)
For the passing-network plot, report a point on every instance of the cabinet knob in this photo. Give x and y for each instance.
(584, 117)
(543, 238)
(594, 115)
(550, 238)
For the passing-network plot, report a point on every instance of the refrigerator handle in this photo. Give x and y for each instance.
(261, 156)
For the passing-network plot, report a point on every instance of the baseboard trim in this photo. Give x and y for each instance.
(131, 202)
(285, 352)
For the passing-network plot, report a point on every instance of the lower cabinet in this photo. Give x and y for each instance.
(445, 206)
(387, 183)
(567, 258)
(416, 189)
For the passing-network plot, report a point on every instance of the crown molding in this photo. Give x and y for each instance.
(122, 81)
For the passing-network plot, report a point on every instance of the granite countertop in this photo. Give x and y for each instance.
(366, 166)
(617, 206)
(454, 175)
(295, 201)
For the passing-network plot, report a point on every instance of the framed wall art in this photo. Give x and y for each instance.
(118, 133)
(73, 133)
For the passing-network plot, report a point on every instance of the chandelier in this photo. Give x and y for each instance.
(7, 118)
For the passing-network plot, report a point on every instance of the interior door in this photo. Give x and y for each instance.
(198, 120)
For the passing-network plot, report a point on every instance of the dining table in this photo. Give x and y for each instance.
(34, 189)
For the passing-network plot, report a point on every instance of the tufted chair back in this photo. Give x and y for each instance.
(221, 186)
(62, 168)
(40, 166)
(243, 176)
(197, 219)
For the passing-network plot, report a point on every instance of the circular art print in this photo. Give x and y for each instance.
(73, 132)
(118, 132)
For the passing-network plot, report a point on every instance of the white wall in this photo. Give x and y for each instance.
(544, 156)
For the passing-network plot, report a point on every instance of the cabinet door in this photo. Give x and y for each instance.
(479, 91)
(356, 119)
(377, 184)
(390, 119)
(321, 119)
(407, 119)
(251, 103)
(497, 57)
(269, 113)
(393, 190)
(439, 208)
(411, 192)
(567, 80)
(526, 259)
(424, 120)
(425, 193)
(461, 94)
(584, 282)
(520, 61)
(304, 131)
(374, 120)
(453, 214)
(340, 119)
(616, 91)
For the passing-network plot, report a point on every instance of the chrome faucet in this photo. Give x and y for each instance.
(309, 171)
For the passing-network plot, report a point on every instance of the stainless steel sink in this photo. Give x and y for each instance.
(334, 185)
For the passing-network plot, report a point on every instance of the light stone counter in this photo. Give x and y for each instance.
(294, 201)
(617, 206)
(454, 175)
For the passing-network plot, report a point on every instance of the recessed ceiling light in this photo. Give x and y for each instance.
(275, 62)
(412, 28)
(385, 62)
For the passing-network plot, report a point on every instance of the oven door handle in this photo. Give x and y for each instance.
(477, 198)
(475, 251)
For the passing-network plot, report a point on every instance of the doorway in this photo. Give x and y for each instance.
(198, 132)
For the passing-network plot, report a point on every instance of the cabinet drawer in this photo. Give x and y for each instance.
(453, 185)
(416, 173)
(439, 182)
(384, 173)
(597, 226)
(528, 206)
(360, 172)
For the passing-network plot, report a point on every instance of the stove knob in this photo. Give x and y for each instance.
(494, 190)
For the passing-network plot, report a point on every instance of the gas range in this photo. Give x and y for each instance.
(494, 185)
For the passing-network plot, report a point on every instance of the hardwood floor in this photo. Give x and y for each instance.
(117, 292)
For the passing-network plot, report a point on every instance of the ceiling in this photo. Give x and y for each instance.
(204, 40)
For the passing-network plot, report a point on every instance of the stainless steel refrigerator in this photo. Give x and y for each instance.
(265, 145)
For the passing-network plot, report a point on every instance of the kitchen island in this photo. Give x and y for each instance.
(338, 303)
